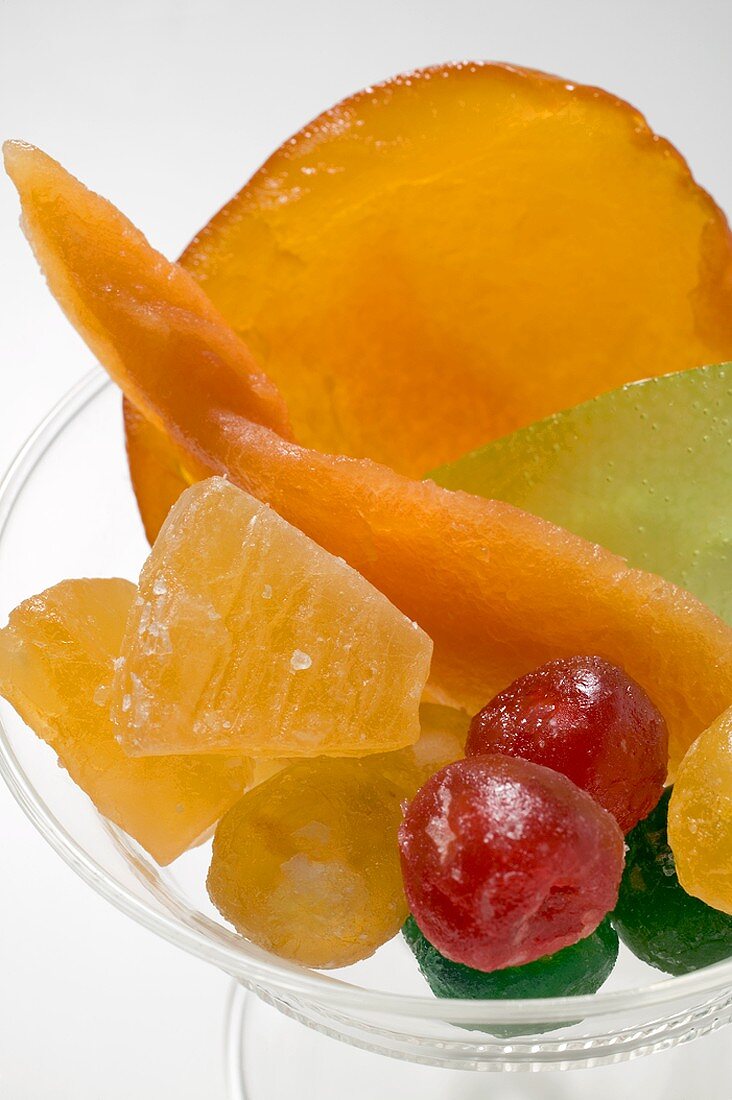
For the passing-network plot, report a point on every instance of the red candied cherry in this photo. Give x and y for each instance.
(505, 861)
(586, 718)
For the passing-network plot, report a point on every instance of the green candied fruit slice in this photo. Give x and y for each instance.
(642, 470)
(580, 968)
(654, 916)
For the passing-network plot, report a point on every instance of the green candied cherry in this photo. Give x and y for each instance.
(654, 916)
(578, 969)
(641, 470)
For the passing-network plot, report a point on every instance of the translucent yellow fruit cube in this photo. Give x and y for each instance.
(247, 637)
(56, 664)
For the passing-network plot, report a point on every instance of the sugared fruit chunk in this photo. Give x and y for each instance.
(654, 916)
(505, 861)
(307, 864)
(587, 719)
(498, 590)
(700, 817)
(248, 637)
(641, 470)
(442, 734)
(56, 663)
(573, 971)
(462, 250)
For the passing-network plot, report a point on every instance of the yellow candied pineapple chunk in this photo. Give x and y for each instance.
(247, 637)
(306, 865)
(700, 816)
(443, 733)
(56, 665)
(442, 737)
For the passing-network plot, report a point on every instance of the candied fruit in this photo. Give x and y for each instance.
(442, 733)
(248, 637)
(56, 664)
(573, 971)
(640, 470)
(587, 719)
(457, 252)
(306, 865)
(498, 590)
(660, 923)
(700, 817)
(505, 861)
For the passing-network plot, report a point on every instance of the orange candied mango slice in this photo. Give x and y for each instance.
(157, 470)
(56, 663)
(249, 638)
(700, 816)
(307, 864)
(451, 255)
(498, 590)
(184, 333)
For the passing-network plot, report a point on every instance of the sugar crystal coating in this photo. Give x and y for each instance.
(326, 665)
(57, 659)
(639, 470)
(505, 861)
(589, 720)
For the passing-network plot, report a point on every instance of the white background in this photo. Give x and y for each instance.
(166, 106)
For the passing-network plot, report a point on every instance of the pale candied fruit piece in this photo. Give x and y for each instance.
(442, 735)
(700, 817)
(248, 637)
(306, 865)
(441, 741)
(56, 663)
(657, 451)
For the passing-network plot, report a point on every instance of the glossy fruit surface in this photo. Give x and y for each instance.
(505, 861)
(700, 817)
(248, 637)
(157, 470)
(307, 865)
(654, 916)
(498, 590)
(587, 719)
(56, 666)
(574, 971)
(454, 253)
(442, 733)
(442, 736)
(640, 470)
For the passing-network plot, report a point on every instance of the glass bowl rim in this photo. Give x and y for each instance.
(285, 978)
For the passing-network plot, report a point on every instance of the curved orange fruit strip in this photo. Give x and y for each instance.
(499, 591)
(180, 332)
(453, 254)
(157, 469)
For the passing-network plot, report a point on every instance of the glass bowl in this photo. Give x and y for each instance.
(66, 509)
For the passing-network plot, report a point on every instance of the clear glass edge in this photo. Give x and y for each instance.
(321, 987)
